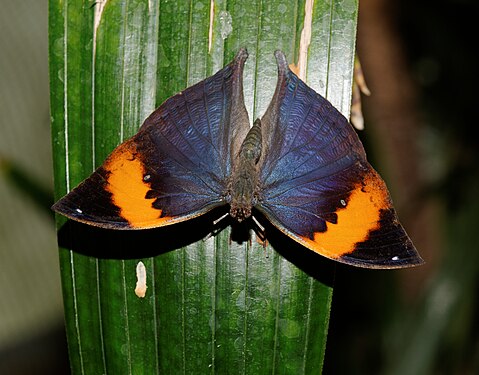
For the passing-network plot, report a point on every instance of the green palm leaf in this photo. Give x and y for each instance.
(210, 307)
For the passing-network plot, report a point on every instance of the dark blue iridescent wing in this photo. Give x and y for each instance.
(317, 186)
(176, 167)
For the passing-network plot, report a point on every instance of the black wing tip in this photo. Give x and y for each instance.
(410, 263)
(59, 207)
(63, 208)
(395, 262)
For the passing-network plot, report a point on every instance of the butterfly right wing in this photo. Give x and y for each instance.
(176, 167)
(317, 186)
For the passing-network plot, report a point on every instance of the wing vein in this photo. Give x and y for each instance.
(207, 140)
(191, 171)
(300, 184)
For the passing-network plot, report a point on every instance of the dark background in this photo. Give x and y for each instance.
(420, 65)
(419, 61)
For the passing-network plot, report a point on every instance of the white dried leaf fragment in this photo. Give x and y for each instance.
(141, 287)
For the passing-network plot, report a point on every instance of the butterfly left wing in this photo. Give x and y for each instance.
(317, 186)
(176, 167)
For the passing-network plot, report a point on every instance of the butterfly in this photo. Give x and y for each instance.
(301, 165)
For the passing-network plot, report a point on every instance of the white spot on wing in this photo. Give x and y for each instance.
(141, 287)
(395, 258)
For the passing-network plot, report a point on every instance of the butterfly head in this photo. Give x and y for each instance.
(240, 212)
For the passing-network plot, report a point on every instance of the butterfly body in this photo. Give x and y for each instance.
(301, 165)
(243, 188)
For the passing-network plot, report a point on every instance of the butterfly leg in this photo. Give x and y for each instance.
(260, 232)
(216, 227)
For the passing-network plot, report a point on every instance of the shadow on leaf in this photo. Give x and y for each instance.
(135, 244)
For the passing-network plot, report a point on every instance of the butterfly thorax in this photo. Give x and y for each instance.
(242, 190)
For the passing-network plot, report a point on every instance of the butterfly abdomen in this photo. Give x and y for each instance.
(244, 179)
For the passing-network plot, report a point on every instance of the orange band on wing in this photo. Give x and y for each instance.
(128, 189)
(355, 221)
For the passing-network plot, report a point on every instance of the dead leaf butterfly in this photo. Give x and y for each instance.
(301, 165)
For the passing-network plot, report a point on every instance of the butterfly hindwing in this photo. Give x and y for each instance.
(176, 166)
(317, 186)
